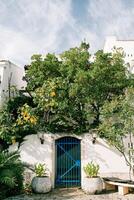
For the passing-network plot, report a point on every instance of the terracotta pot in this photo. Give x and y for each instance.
(41, 184)
(92, 185)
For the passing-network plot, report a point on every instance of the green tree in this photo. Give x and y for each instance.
(69, 91)
(41, 69)
(17, 120)
(117, 125)
(62, 94)
(66, 93)
(108, 79)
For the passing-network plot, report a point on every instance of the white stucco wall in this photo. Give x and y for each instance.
(128, 48)
(111, 161)
(7, 70)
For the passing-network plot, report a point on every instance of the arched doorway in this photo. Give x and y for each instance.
(68, 162)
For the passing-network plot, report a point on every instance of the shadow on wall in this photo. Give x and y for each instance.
(108, 147)
(32, 151)
(109, 159)
(90, 153)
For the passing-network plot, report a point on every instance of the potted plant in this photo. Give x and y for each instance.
(41, 183)
(92, 183)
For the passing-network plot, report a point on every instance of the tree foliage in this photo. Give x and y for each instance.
(11, 174)
(66, 92)
(16, 121)
(117, 125)
(108, 79)
(62, 94)
(69, 90)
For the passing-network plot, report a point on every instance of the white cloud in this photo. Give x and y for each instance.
(14, 45)
(41, 26)
(36, 27)
(111, 17)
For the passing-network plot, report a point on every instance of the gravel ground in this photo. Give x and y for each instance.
(73, 194)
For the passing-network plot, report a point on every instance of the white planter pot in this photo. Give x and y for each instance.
(41, 184)
(92, 185)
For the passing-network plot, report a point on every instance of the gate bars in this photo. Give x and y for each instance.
(68, 162)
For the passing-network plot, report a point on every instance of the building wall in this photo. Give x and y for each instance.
(9, 70)
(128, 48)
(110, 160)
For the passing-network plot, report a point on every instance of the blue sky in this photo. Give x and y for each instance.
(28, 27)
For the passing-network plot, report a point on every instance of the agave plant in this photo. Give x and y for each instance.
(91, 169)
(11, 173)
(40, 170)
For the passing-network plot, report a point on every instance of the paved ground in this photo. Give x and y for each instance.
(73, 194)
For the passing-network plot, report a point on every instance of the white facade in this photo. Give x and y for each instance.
(10, 75)
(126, 45)
(111, 162)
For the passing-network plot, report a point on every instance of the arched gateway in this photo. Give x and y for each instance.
(68, 162)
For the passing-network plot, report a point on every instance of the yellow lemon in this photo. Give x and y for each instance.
(26, 118)
(33, 120)
(53, 94)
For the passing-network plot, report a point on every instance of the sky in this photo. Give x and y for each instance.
(30, 27)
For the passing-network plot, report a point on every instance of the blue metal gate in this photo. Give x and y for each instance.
(68, 162)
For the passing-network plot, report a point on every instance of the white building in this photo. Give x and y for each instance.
(10, 75)
(126, 45)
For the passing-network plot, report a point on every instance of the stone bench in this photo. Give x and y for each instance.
(123, 188)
